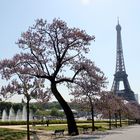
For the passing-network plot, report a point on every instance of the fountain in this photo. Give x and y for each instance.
(12, 116)
(19, 115)
(24, 113)
(4, 115)
(31, 115)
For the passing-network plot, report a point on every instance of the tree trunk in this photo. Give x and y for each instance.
(28, 129)
(109, 120)
(128, 121)
(72, 128)
(120, 118)
(92, 114)
(115, 120)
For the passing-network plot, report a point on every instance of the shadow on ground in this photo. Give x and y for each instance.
(84, 138)
(95, 136)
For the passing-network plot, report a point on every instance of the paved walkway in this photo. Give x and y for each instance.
(126, 133)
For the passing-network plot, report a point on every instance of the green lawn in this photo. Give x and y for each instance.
(51, 127)
(64, 126)
(10, 134)
(101, 126)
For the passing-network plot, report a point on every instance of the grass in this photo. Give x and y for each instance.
(64, 126)
(10, 134)
(51, 127)
(100, 126)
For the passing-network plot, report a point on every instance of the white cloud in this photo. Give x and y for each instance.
(85, 2)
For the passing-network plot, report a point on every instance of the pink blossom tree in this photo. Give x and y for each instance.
(133, 110)
(108, 105)
(88, 87)
(119, 108)
(29, 86)
(54, 52)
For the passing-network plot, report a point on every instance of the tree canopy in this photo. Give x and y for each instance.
(50, 51)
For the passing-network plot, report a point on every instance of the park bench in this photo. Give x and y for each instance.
(59, 132)
(85, 130)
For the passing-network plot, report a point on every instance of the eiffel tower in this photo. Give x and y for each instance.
(120, 73)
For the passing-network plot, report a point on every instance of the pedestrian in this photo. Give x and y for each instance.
(47, 122)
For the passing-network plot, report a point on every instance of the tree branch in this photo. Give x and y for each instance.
(57, 44)
(45, 65)
(57, 56)
(42, 76)
(36, 58)
(69, 80)
(70, 58)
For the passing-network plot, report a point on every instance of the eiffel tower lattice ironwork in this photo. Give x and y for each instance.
(120, 73)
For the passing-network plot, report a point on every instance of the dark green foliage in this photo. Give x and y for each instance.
(13, 123)
(76, 106)
(31, 122)
(55, 112)
(37, 106)
(54, 104)
(42, 113)
(16, 106)
(6, 106)
(33, 106)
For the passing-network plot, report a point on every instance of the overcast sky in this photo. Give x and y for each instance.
(97, 17)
